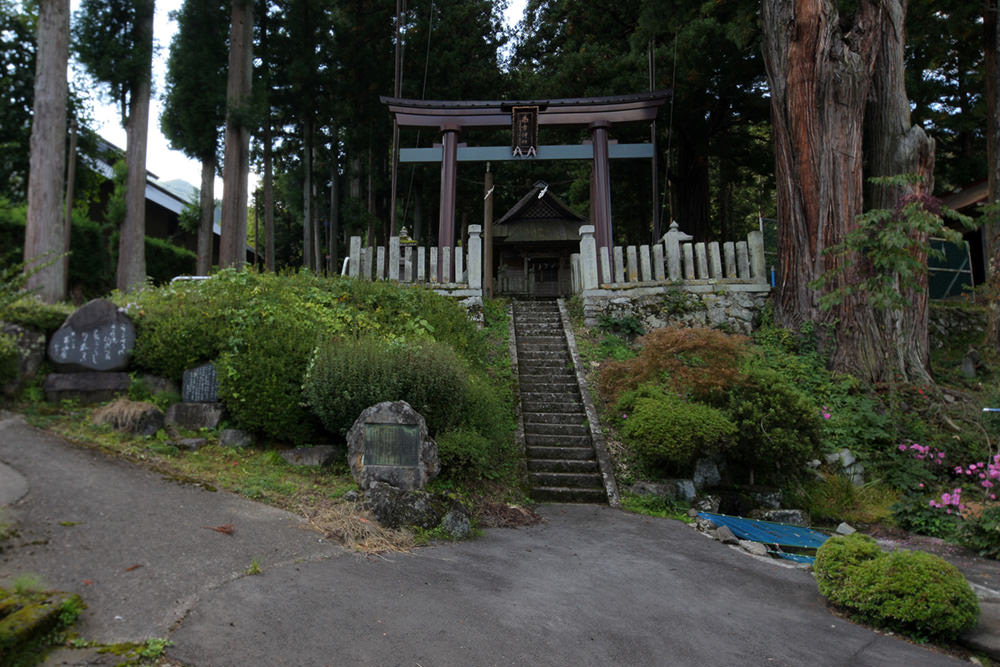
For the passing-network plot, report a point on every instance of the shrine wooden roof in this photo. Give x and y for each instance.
(565, 111)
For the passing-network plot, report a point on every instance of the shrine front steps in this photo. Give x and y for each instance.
(561, 462)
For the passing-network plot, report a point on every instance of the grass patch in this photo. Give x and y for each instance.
(665, 508)
(836, 499)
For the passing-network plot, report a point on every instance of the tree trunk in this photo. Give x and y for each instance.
(819, 72)
(43, 234)
(991, 25)
(307, 234)
(205, 223)
(334, 211)
(269, 261)
(132, 239)
(236, 164)
(892, 147)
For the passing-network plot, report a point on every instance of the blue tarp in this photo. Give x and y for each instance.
(767, 532)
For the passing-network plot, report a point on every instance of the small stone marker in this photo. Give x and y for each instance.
(200, 384)
(98, 336)
(389, 443)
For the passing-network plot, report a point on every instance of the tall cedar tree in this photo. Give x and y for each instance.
(236, 165)
(113, 39)
(43, 237)
(194, 105)
(822, 73)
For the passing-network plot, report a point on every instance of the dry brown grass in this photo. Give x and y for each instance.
(122, 414)
(355, 528)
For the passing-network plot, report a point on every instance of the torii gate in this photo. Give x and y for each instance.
(524, 117)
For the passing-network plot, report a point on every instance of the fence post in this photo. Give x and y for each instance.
(588, 258)
(354, 265)
(758, 266)
(475, 267)
(394, 258)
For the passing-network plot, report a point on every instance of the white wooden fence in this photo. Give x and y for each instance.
(449, 270)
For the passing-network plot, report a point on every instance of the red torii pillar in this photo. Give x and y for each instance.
(600, 191)
(446, 216)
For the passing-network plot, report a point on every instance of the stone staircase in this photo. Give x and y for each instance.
(562, 466)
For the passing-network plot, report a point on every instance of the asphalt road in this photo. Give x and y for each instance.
(588, 586)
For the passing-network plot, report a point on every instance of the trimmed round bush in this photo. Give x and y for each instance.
(668, 432)
(910, 592)
(837, 556)
(10, 357)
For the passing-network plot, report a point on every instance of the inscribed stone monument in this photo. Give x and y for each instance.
(98, 336)
(200, 385)
(389, 443)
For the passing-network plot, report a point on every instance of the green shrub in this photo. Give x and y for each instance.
(666, 431)
(777, 429)
(466, 454)
(913, 513)
(345, 377)
(835, 559)
(10, 357)
(982, 533)
(911, 592)
(31, 313)
(914, 593)
(835, 498)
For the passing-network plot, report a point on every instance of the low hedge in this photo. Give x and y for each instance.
(911, 592)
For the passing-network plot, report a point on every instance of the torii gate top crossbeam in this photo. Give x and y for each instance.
(576, 111)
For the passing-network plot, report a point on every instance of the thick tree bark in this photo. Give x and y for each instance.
(43, 236)
(892, 147)
(819, 71)
(269, 262)
(132, 239)
(205, 223)
(307, 233)
(236, 164)
(334, 236)
(991, 25)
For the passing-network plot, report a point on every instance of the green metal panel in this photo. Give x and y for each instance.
(503, 153)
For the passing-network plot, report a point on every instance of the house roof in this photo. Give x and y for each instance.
(970, 195)
(539, 216)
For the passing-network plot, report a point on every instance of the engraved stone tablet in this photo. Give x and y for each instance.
(97, 337)
(389, 443)
(392, 445)
(200, 385)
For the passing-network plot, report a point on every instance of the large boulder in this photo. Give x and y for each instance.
(389, 442)
(98, 336)
(92, 387)
(399, 508)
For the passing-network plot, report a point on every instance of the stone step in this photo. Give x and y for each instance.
(534, 306)
(571, 480)
(543, 440)
(554, 418)
(546, 338)
(535, 383)
(565, 495)
(558, 364)
(533, 331)
(561, 453)
(535, 353)
(568, 407)
(557, 346)
(579, 466)
(577, 430)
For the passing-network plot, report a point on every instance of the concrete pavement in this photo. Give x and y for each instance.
(589, 586)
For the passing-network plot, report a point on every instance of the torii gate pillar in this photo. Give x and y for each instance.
(449, 172)
(600, 205)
